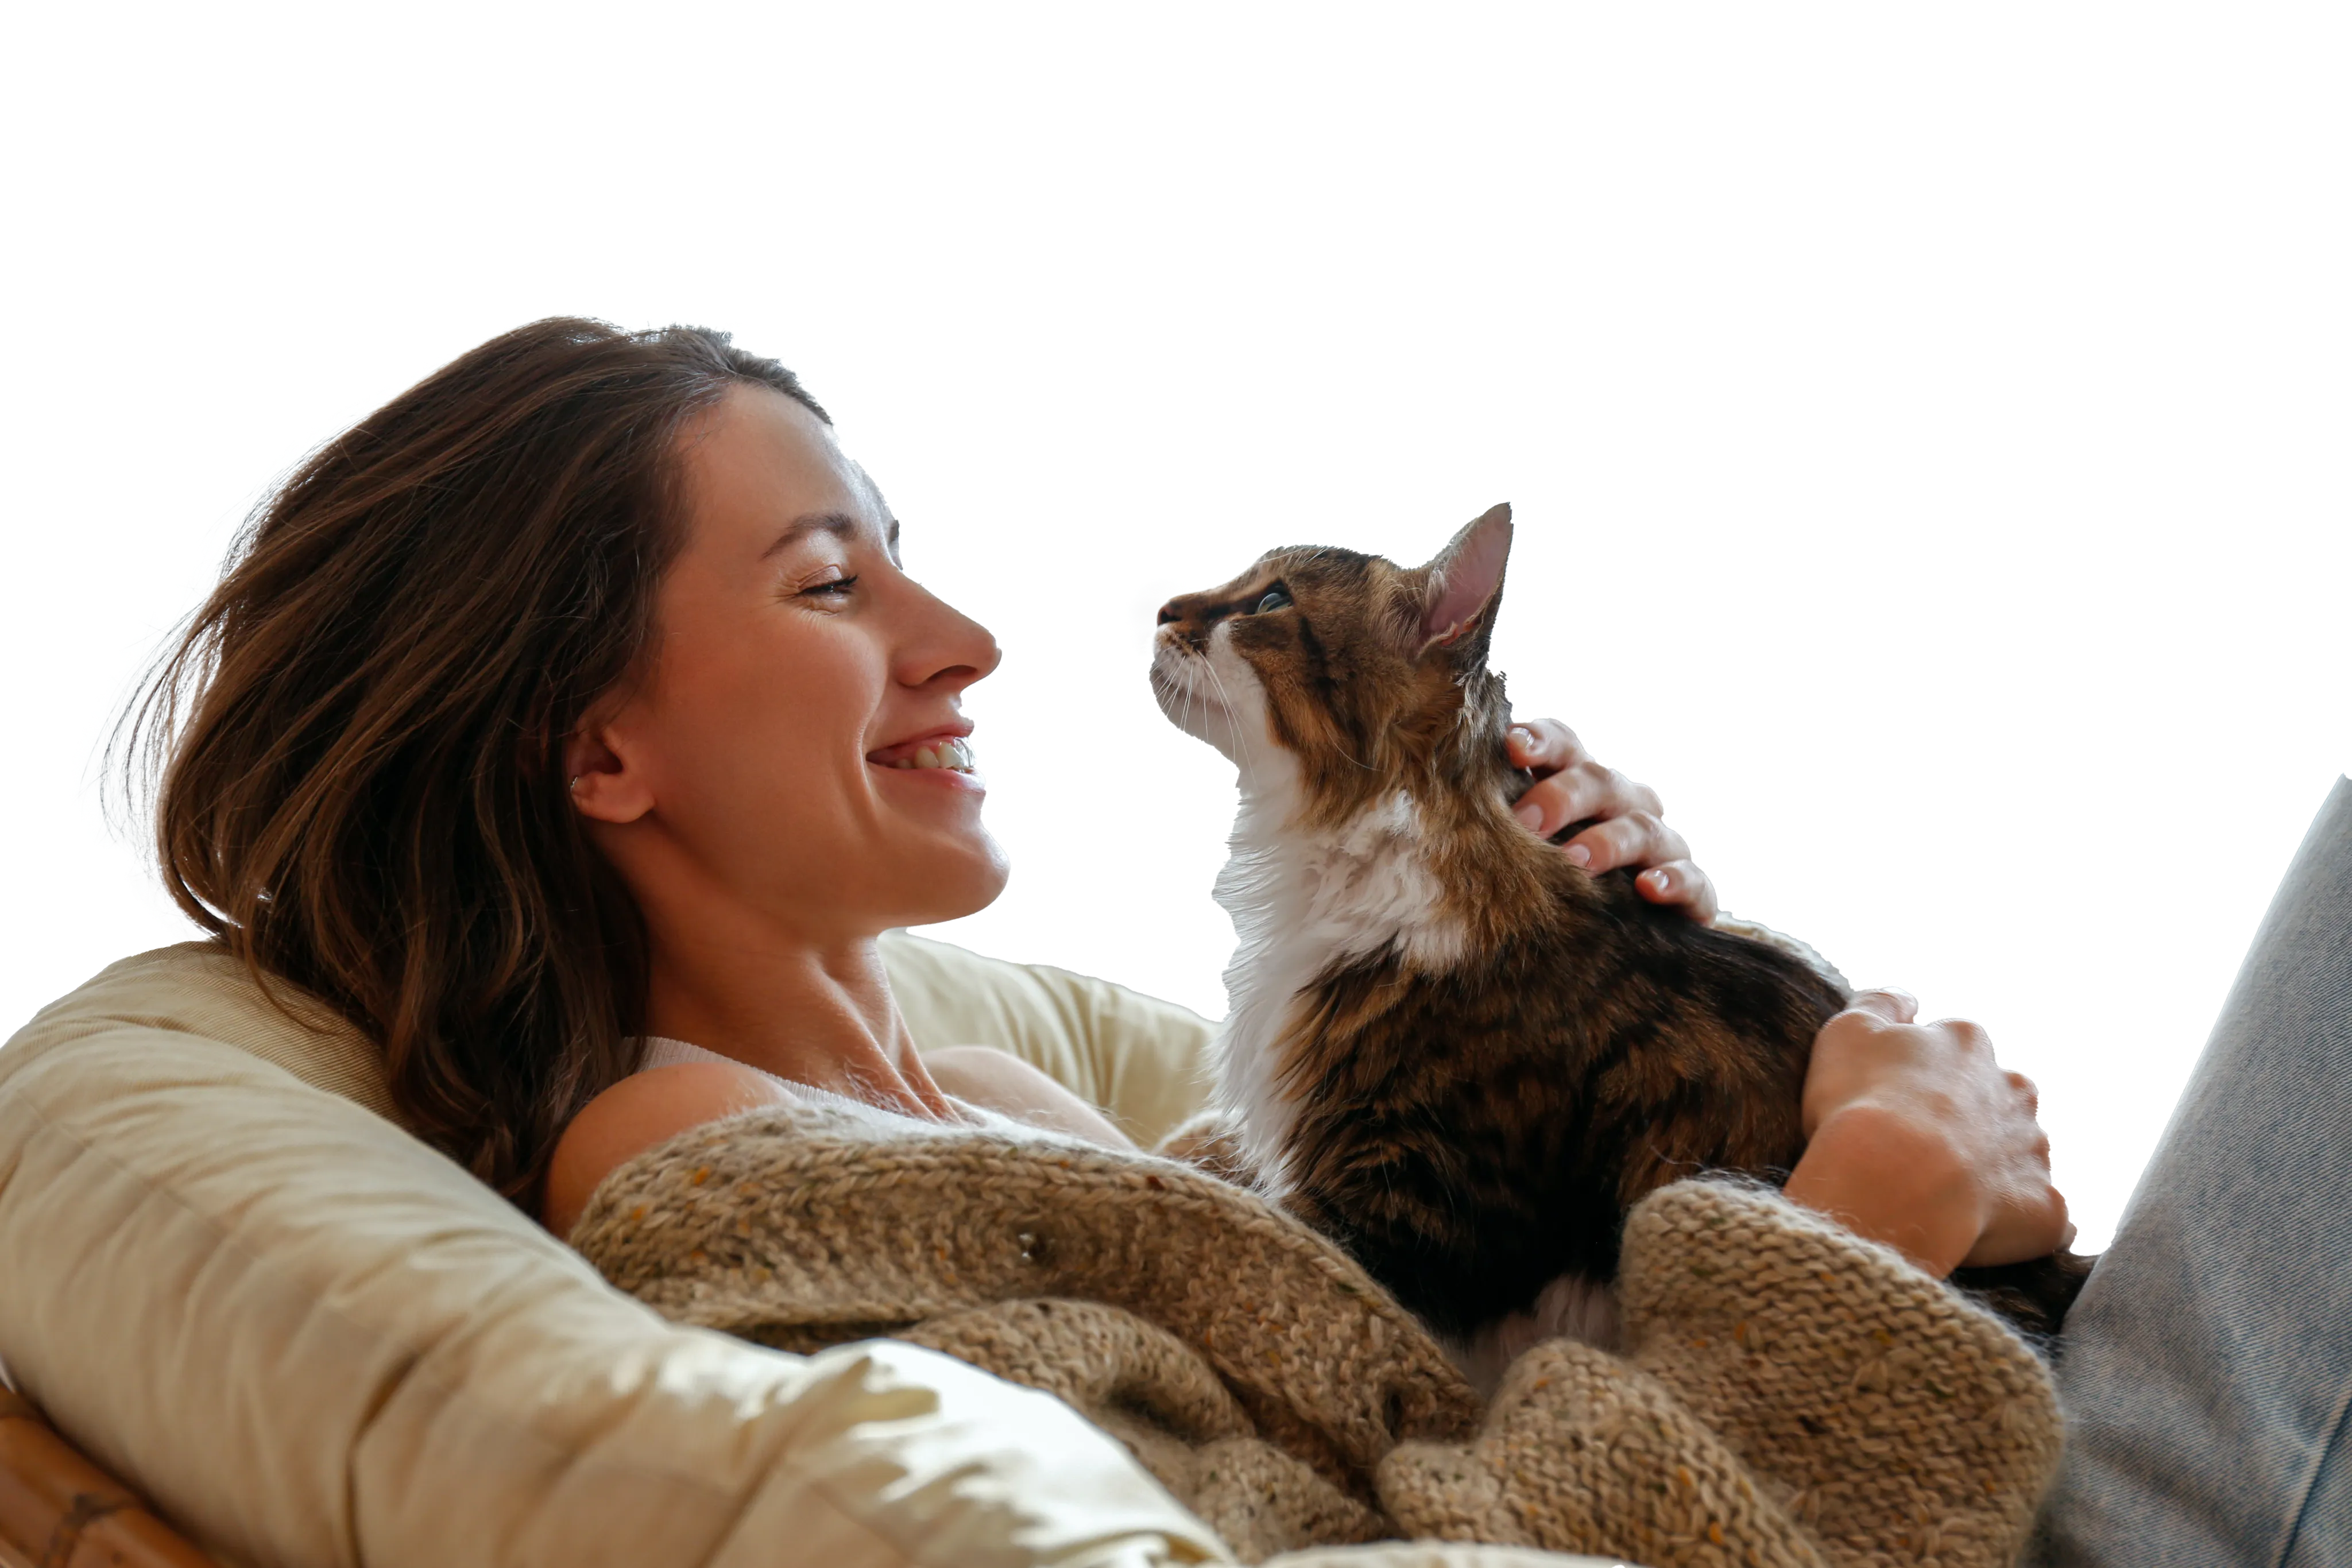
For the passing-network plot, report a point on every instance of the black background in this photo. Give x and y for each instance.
(1995, 654)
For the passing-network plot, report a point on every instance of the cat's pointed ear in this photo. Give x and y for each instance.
(1464, 583)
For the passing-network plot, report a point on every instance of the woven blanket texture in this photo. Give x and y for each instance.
(1788, 1394)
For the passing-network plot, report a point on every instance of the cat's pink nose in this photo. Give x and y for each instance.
(1169, 611)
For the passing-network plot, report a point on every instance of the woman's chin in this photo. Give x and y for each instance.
(953, 880)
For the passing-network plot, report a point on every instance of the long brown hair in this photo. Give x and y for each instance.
(360, 735)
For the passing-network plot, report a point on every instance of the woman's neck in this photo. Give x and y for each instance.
(819, 1014)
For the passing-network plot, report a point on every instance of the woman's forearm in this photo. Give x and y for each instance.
(1888, 1179)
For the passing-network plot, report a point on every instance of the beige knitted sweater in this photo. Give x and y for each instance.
(1789, 1394)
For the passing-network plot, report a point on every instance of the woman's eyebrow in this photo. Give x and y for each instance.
(841, 525)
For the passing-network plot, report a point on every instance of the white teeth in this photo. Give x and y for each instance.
(954, 755)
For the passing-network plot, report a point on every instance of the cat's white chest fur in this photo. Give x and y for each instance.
(1301, 901)
(1304, 900)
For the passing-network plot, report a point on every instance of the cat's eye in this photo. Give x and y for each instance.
(1275, 599)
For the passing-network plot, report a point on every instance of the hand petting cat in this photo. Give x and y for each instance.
(1626, 830)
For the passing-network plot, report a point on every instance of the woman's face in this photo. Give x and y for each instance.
(768, 760)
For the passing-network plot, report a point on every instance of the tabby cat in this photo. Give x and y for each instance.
(1456, 1053)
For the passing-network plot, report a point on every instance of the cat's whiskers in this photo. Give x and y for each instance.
(1242, 748)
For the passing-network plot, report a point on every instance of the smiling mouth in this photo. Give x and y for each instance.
(950, 762)
(956, 756)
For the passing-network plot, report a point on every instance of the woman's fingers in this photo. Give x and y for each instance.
(1626, 827)
(2031, 1223)
(1569, 786)
(1955, 1167)
(1890, 1004)
(1580, 791)
(1637, 838)
(1681, 884)
(1544, 746)
(2028, 1217)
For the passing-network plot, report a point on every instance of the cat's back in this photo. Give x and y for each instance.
(1604, 945)
(1591, 957)
(1594, 978)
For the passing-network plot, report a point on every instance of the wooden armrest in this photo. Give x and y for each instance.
(60, 1511)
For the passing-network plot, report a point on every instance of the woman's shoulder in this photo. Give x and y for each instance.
(640, 1110)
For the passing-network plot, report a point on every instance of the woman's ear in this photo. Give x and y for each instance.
(601, 785)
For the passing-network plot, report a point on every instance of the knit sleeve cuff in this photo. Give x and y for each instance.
(1818, 1355)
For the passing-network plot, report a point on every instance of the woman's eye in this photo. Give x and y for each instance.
(1274, 599)
(831, 588)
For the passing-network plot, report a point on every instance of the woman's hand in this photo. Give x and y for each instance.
(1571, 787)
(1918, 1139)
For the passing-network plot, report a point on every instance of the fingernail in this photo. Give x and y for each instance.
(1659, 879)
(1524, 739)
(1577, 855)
(1531, 816)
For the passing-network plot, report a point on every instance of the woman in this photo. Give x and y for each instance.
(578, 698)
